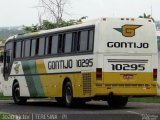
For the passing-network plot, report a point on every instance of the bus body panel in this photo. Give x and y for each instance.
(44, 77)
(126, 36)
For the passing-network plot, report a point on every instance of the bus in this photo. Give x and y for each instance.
(109, 59)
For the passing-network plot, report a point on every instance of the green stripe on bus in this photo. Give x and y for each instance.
(29, 80)
(33, 81)
(36, 78)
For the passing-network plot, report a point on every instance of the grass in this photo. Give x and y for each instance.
(146, 99)
(6, 116)
(2, 97)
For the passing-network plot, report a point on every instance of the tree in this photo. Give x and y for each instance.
(33, 28)
(51, 25)
(146, 16)
(55, 9)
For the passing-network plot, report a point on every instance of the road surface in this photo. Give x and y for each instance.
(51, 110)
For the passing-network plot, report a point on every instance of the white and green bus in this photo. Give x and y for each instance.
(107, 59)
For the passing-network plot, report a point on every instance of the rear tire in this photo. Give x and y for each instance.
(16, 95)
(117, 101)
(68, 95)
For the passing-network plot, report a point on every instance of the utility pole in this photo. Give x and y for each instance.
(151, 7)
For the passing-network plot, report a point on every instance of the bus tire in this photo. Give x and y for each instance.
(16, 95)
(117, 101)
(68, 95)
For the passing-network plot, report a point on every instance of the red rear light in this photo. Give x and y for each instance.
(154, 74)
(99, 73)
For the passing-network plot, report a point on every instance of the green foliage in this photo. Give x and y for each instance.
(33, 28)
(47, 25)
(145, 99)
(2, 39)
(146, 16)
(51, 25)
(2, 97)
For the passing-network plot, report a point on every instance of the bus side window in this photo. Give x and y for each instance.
(41, 46)
(27, 48)
(83, 41)
(37, 46)
(22, 53)
(68, 43)
(74, 42)
(90, 42)
(18, 49)
(54, 48)
(61, 39)
(78, 41)
(33, 47)
(9, 46)
(48, 45)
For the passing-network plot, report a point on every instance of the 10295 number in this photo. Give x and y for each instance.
(131, 67)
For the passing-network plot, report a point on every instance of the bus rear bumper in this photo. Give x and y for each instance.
(126, 91)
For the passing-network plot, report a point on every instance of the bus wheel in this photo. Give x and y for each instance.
(117, 101)
(68, 94)
(16, 95)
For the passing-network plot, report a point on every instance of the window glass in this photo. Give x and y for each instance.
(9, 46)
(33, 48)
(83, 41)
(68, 43)
(18, 49)
(14, 50)
(91, 37)
(48, 45)
(74, 42)
(158, 39)
(37, 46)
(27, 48)
(54, 44)
(41, 46)
(60, 43)
(22, 48)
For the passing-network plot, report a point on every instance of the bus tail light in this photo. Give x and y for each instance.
(99, 73)
(154, 74)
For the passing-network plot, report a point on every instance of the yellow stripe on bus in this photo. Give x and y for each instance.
(41, 69)
(51, 84)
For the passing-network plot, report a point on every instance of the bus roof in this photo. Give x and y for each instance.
(86, 23)
(42, 32)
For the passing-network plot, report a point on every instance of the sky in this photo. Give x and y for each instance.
(24, 12)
